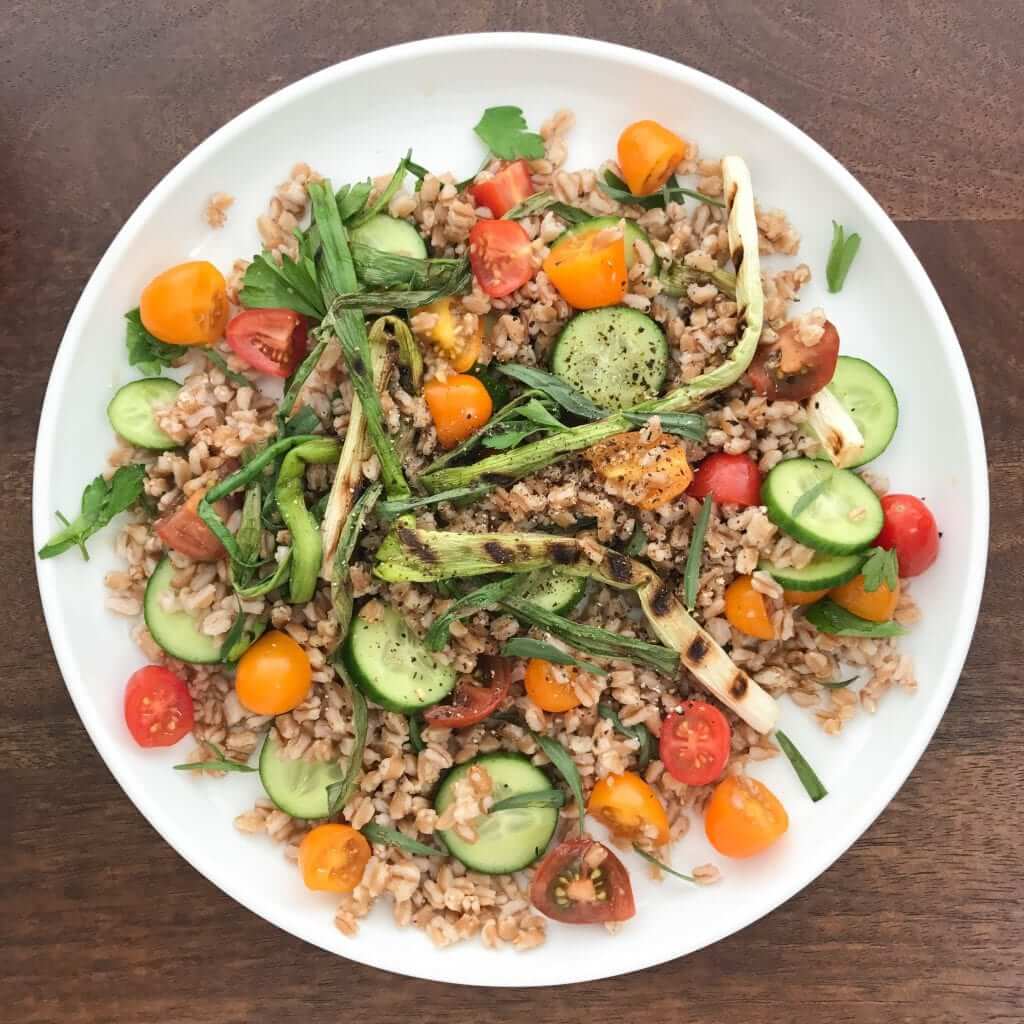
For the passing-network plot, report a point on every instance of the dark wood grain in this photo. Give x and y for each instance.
(921, 921)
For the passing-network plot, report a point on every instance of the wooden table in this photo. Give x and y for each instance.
(921, 921)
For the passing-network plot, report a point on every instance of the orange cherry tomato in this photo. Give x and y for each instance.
(743, 817)
(273, 675)
(629, 808)
(799, 597)
(333, 858)
(186, 305)
(648, 154)
(644, 473)
(550, 686)
(460, 406)
(873, 605)
(589, 268)
(746, 610)
(461, 350)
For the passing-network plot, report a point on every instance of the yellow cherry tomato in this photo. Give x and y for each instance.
(460, 349)
(589, 268)
(629, 808)
(743, 817)
(648, 154)
(799, 597)
(550, 686)
(874, 605)
(186, 305)
(333, 857)
(459, 406)
(644, 473)
(273, 675)
(746, 610)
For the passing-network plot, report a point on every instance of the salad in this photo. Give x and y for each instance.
(478, 514)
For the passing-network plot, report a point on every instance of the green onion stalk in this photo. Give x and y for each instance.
(743, 245)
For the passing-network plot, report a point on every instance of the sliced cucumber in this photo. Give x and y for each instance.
(616, 356)
(298, 787)
(632, 234)
(823, 572)
(390, 664)
(844, 517)
(131, 412)
(868, 397)
(389, 234)
(509, 840)
(176, 632)
(556, 592)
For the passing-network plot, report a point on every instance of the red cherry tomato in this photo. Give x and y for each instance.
(270, 340)
(501, 256)
(729, 479)
(182, 530)
(695, 743)
(582, 882)
(910, 528)
(157, 707)
(508, 188)
(471, 704)
(790, 371)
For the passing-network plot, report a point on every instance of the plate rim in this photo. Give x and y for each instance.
(902, 766)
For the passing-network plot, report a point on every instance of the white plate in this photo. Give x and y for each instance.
(356, 119)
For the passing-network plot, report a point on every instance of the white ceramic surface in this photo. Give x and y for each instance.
(356, 119)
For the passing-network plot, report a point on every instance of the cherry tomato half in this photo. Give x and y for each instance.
(648, 154)
(802, 597)
(333, 857)
(500, 255)
(582, 882)
(695, 743)
(627, 806)
(729, 479)
(157, 707)
(270, 340)
(274, 675)
(788, 370)
(459, 407)
(186, 305)
(910, 528)
(550, 686)
(746, 610)
(876, 605)
(589, 268)
(182, 530)
(743, 817)
(508, 188)
(471, 704)
(645, 473)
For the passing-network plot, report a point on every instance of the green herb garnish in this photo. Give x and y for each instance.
(556, 389)
(827, 616)
(671, 192)
(149, 355)
(220, 763)
(416, 733)
(566, 766)
(525, 647)
(840, 684)
(688, 425)
(540, 798)
(804, 772)
(691, 576)
(650, 858)
(637, 543)
(391, 509)
(487, 596)
(810, 496)
(840, 256)
(541, 201)
(338, 793)
(385, 836)
(640, 733)
(290, 284)
(504, 132)
(881, 567)
(221, 363)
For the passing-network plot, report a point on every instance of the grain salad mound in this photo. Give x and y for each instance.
(678, 270)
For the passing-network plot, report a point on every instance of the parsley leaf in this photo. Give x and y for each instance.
(147, 354)
(504, 132)
(881, 567)
(840, 256)
(101, 501)
(290, 285)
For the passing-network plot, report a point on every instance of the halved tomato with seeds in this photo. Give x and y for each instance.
(508, 188)
(157, 707)
(582, 882)
(695, 743)
(471, 704)
(501, 256)
(183, 531)
(270, 340)
(790, 371)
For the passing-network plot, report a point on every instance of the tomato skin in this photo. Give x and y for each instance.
(274, 675)
(271, 341)
(332, 858)
(183, 531)
(565, 889)
(746, 610)
(501, 256)
(786, 370)
(157, 707)
(729, 479)
(695, 743)
(648, 154)
(910, 528)
(508, 188)
(743, 817)
(186, 304)
(648, 474)
(459, 407)
(878, 605)
(802, 597)
(461, 351)
(471, 704)
(589, 269)
(627, 806)
(546, 689)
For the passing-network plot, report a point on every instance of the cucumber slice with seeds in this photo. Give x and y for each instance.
(844, 517)
(131, 412)
(823, 572)
(389, 234)
(176, 632)
(297, 787)
(556, 592)
(616, 356)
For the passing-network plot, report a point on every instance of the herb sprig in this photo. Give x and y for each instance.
(539, 798)
(651, 859)
(671, 192)
(566, 767)
(691, 575)
(148, 354)
(804, 772)
(385, 836)
(840, 257)
(640, 733)
(882, 566)
(526, 647)
(220, 762)
(556, 389)
(828, 617)
(504, 132)
(810, 496)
